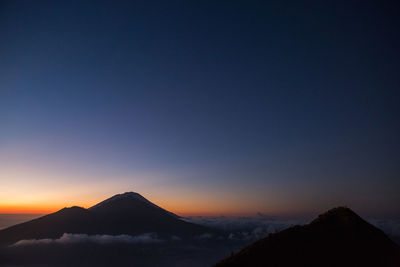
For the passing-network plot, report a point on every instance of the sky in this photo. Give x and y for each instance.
(203, 107)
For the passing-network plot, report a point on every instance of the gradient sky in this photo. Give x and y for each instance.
(202, 107)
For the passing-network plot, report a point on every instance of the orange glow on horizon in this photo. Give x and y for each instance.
(30, 187)
(179, 210)
(29, 208)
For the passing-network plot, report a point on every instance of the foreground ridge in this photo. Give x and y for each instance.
(338, 237)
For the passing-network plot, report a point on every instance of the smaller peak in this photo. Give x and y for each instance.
(342, 215)
(340, 211)
(72, 209)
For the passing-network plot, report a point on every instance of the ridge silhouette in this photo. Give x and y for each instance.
(128, 213)
(338, 237)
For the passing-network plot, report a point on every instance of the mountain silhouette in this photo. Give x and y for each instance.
(338, 237)
(128, 213)
(125, 201)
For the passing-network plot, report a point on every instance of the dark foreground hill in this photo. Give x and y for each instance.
(127, 213)
(338, 237)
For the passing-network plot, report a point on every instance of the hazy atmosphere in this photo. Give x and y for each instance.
(192, 104)
(244, 116)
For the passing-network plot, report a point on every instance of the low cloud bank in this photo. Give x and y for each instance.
(255, 227)
(245, 228)
(271, 224)
(204, 236)
(389, 226)
(147, 238)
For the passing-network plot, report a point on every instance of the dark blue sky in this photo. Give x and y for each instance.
(273, 107)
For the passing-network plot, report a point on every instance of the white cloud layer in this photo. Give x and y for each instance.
(98, 239)
(245, 228)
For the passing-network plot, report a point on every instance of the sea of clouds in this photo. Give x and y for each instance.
(256, 227)
(241, 229)
(245, 228)
(66, 238)
(389, 226)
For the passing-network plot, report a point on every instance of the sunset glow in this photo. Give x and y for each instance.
(197, 115)
(199, 133)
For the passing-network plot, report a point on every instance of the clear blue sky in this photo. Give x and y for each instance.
(226, 106)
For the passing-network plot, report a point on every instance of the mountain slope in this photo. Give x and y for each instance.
(338, 237)
(128, 213)
(129, 198)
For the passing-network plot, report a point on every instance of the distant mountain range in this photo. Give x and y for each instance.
(128, 213)
(338, 237)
